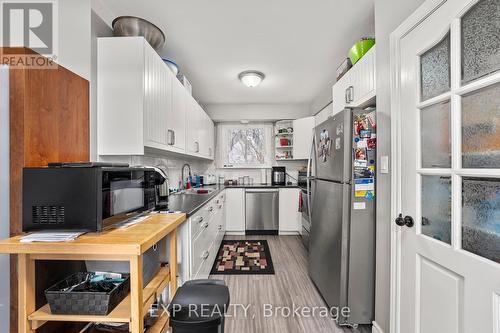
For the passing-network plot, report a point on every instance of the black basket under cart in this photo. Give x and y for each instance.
(63, 299)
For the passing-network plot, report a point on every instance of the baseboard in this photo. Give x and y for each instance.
(376, 328)
(235, 233)
(289, 233)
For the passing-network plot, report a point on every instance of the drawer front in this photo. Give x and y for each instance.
(207, 264)
(203, 216)
(203, 243)
(201, 246)
(218, 239)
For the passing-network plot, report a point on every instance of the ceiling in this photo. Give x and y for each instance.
(298, 44)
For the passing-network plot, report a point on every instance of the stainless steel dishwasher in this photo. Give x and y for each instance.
(262, 211)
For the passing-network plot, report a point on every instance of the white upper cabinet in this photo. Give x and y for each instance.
(358, 86)
(193, 116)
(141, 104)
(176, 121)
(323, 114)
(207, 130)
(302, 137)
(340, 90)
(211, 139)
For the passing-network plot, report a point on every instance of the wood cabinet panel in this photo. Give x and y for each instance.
(49, 122)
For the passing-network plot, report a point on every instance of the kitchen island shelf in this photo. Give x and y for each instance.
(120, 314)
(127, 244)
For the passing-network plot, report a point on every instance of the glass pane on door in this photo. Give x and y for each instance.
(435, 70)
(481, 216)
(481, 128)
(435, 136)
(481, 40)
(436, 207)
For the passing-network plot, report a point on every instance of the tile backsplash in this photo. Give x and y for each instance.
(174, 164)
(292, 168)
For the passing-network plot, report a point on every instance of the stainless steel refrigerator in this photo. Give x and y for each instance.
(342, 238)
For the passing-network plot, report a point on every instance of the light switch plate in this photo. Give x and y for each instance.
(384, 164)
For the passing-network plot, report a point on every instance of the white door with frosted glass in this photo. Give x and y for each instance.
(449, 104)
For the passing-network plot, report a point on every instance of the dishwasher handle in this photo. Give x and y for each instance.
(262, 190)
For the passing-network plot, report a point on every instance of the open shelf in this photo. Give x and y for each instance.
(120, 314)
(160, 326)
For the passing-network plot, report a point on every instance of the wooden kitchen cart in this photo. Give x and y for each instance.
(128, 244)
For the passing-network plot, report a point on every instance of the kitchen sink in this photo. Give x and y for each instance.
(199, 191)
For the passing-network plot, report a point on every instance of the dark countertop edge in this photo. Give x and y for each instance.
(262, 186)
(209, 197)
(220, 188)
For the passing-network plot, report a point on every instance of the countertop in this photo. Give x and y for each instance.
(133, 240)
(191, 203)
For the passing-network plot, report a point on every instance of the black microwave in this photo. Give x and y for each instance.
(86, 198)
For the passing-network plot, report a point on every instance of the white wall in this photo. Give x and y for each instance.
(322, 100)
(389, 14)
(100, 27)
(4, 198)
(256, 112)
(74, 36)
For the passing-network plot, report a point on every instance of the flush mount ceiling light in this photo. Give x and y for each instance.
(251, 78)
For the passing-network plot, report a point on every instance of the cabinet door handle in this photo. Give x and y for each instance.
(210, 209)
(351, 94)
(205, 225)
(346, 96)
(197, 145)
(209, 151)
(199, 219)
(170, 137)
(205, 255)
(220, 227)
(220, 206)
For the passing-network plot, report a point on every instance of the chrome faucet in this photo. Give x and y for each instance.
(182, 175)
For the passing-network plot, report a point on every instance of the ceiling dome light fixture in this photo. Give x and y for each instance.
(251, 78)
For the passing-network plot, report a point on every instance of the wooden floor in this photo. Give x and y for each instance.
(290, 285)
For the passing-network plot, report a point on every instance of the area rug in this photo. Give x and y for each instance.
(243, 257)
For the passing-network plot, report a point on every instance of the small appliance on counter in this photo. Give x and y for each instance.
(302, 179)
(162, 190)
(278, 176)
(86, 196)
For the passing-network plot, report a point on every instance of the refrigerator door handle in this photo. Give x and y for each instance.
(308, 179)
(346, 246)
(309, 161)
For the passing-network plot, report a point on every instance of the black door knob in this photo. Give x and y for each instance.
(400, 220)
(408, 221)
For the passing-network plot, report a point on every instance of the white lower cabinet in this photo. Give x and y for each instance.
(183, 251)
(290, 217)
(207, 231)
(201, 236)
(235, 215)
